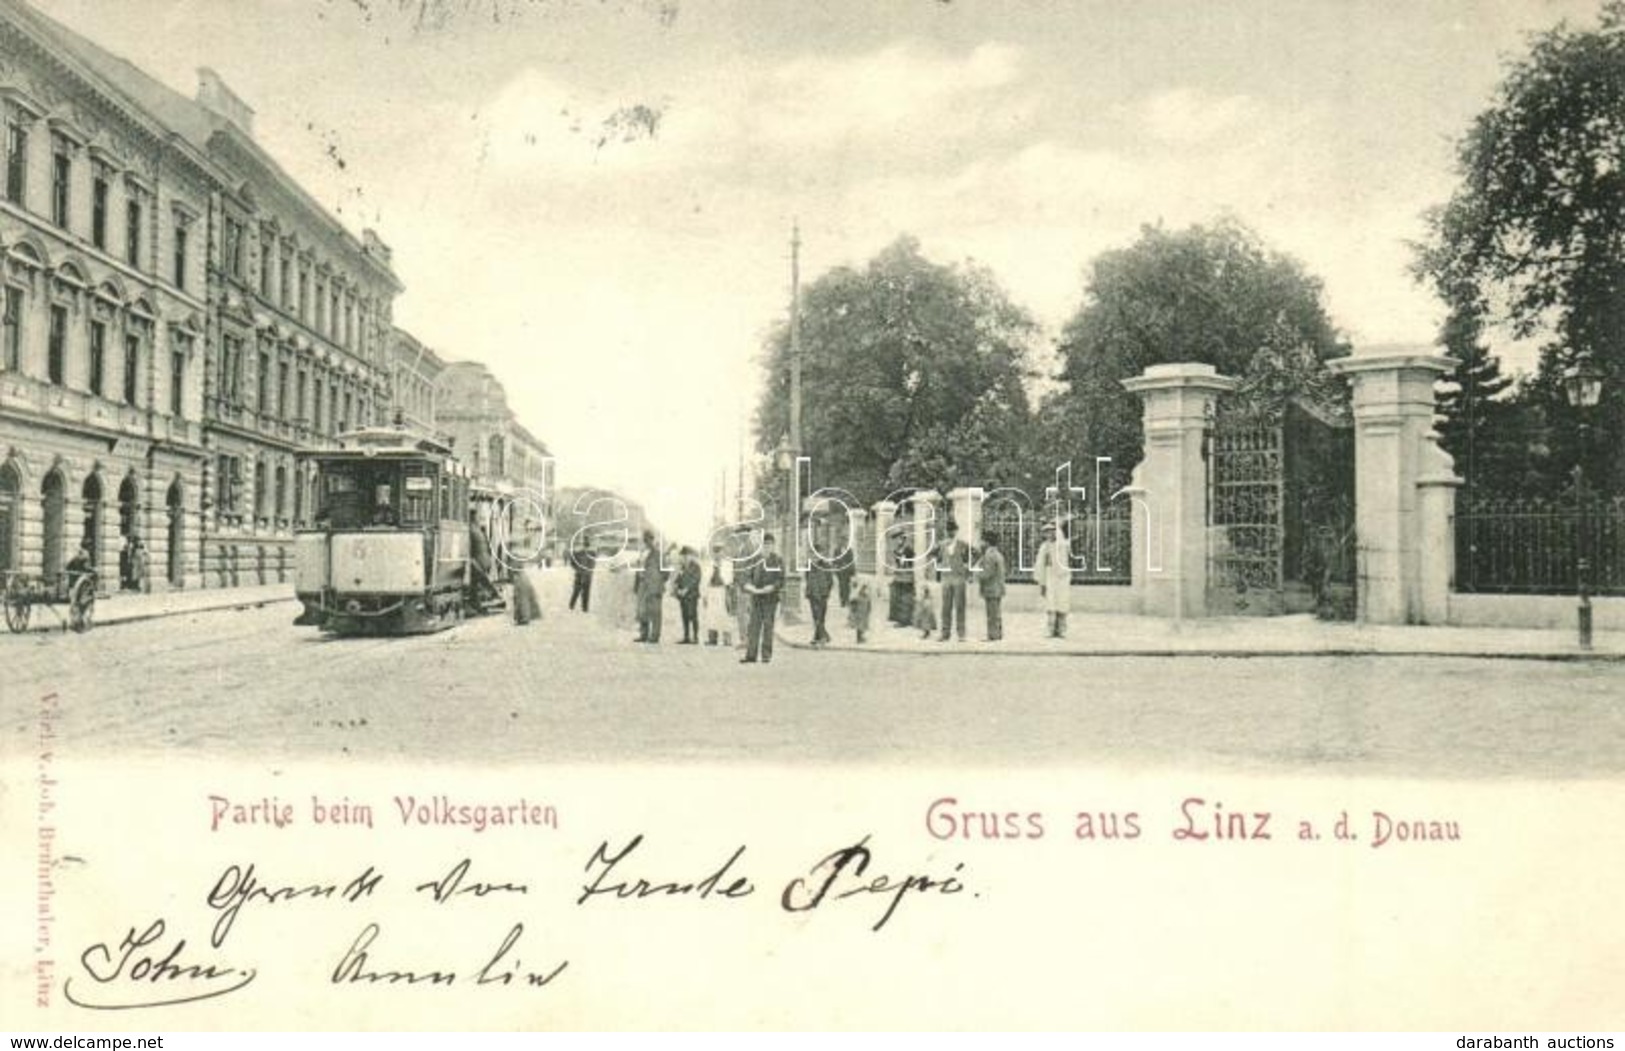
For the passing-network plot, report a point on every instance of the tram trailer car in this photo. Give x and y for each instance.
(390, 550)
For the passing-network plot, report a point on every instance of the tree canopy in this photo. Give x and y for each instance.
(1534, 235)
(913, 376)
(1212, 294)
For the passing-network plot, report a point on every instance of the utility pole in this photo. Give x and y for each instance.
(792, 545)
(795, 342)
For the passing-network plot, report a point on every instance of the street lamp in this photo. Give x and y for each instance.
(1582, 385)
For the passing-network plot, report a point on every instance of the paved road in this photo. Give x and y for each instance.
(248, 683)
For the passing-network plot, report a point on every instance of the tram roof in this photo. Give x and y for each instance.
(392, 442)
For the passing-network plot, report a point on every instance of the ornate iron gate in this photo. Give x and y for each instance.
(1245, 513)
(1280, 511)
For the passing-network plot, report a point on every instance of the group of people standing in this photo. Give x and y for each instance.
(955, 563)
(722, 600)
(730, 600)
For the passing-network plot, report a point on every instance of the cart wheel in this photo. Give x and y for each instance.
(17, 608)
(83, 604)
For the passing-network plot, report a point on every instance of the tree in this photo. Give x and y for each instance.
(1481, 422)
(1210, 294)
(1537, 226)
(912, 377)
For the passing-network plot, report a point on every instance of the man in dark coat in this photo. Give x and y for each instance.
(990, 581)
(582, 561)
(687, 590)
(765, 581)
(820, 581)
(651, 591)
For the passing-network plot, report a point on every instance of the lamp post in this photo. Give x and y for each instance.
(790, 602)
(1582, 385)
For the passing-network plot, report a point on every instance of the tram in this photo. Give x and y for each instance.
(401, 542)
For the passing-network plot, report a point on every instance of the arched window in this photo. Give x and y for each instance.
(126, 507)
(281, 488)
(91, 496)
(11, 484)
(52, 503)
(173, 503)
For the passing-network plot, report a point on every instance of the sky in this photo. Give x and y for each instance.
(595, 197)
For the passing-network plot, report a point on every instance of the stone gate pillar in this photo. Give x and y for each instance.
(1403, 538)
(855, 519)
(967, 512)
(1170, 488)
(924, 505)
(885, 512)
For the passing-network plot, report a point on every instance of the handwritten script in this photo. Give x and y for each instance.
(154, 963)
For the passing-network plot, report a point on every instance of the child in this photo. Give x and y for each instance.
(857, 612)
(925, 613)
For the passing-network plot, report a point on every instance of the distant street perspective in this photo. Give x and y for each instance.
(573, 687)
(880, 391)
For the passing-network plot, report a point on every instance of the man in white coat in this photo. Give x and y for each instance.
(1053, 572)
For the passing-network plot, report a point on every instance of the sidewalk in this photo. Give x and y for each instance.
(1114, 635)
(127, 607)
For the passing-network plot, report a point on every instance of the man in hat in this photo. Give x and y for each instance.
(820, 582)
(1053, 571)
(651, 590)
(990, 581)
(953, 563)
(582, 562)
(687, 589)
(765, 581)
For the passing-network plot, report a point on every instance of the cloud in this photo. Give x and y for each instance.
(539, 123)
(898, 88)
(1186, 117)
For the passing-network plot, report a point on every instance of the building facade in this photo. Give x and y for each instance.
(299, 351)
(104, 301)
(471, 406)
(416, 371)
(181, 321)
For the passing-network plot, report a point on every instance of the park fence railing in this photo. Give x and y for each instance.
(1533, 546)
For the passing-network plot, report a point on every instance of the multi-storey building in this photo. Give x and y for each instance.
(412, 386)
(276, 320)
(471, 406)
(104, 316)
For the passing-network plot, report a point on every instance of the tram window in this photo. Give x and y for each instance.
(341, 503)
(417, 495)
(383, 508)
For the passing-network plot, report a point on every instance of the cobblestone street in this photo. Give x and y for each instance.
(570, 689)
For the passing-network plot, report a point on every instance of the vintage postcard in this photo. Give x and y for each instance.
(706, 514)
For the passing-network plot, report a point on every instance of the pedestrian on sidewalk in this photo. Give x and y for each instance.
(133, 561)
(717, 599)
(743, 560)
(820, 582)
(900, 608)
(857, 612)
(583, 560)
(846, 567)
(687, 589)
(763, 585)
(990, 573)
(925, 614)
(1053, 571)
(650, 586)
(953, 562)
(526, 606)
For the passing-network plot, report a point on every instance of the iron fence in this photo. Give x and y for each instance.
(1533, 546)
(1102, 543)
